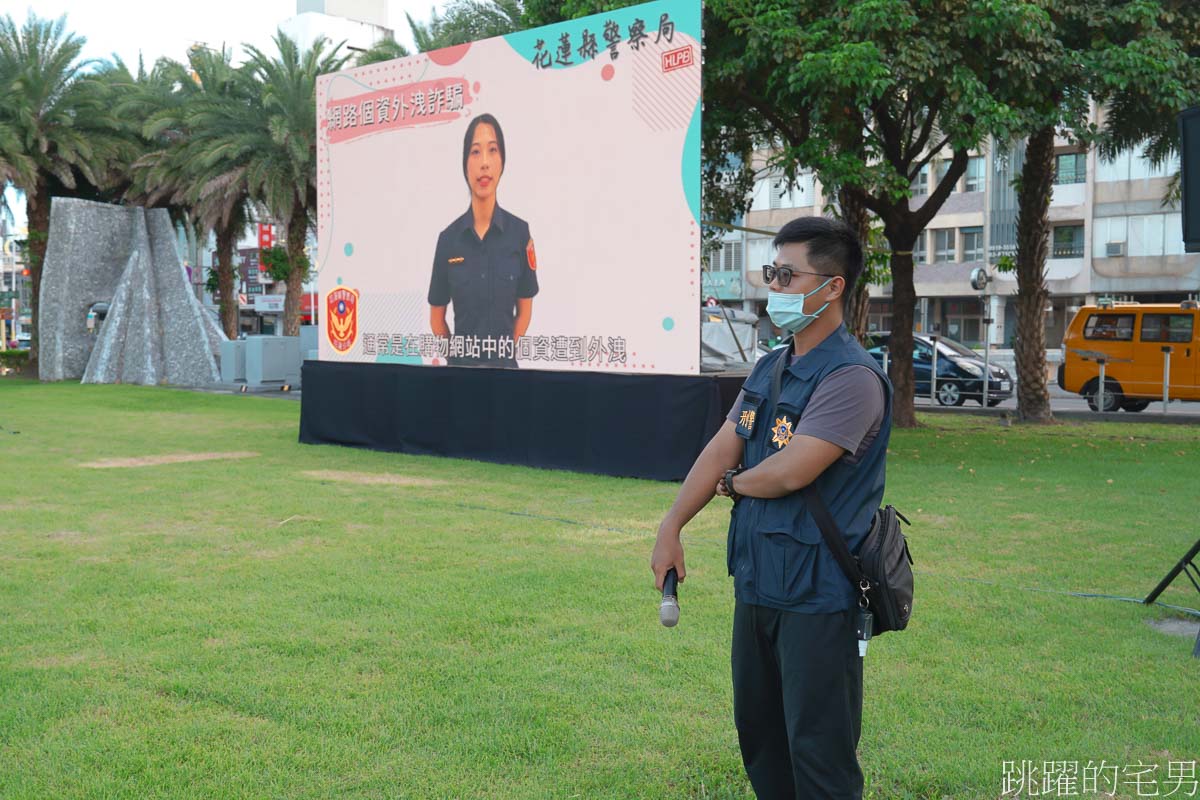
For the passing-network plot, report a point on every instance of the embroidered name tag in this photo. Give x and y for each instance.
(458, 260)
(747, 416)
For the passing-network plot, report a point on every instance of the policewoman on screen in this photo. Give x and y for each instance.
(484, 264)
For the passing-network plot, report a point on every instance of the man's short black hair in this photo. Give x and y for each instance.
(482, 119)
(833, 248)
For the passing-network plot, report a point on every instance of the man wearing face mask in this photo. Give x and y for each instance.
(797, 673)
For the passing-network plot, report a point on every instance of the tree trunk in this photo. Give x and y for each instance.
(38, 209)
(856, 216)
(900, 345)
(1033, 238)
(297, 232)
(227, 237)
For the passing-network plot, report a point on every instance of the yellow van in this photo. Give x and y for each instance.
(1130, 337)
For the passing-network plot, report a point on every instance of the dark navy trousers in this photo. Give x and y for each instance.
(797, 703)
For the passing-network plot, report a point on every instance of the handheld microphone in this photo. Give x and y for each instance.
(668, 612)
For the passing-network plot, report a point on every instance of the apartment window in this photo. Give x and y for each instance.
(972, 244)
(975, 179)
(1109, 235)
(802, 190)
(1146, 235)
(791, 194)
(944, 245)
(1141, 168)
(1070, 168)
(1067, 242)
(963, 321)
(943, 166)
(1130, 165)
(1140, 235)
(1116, 169)
(780, 193)
(879, 317)
(919, 249)
(920, 184)
(730, 257)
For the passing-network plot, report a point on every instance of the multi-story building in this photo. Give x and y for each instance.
(15, 284)
(1112, 235)
(358, 23)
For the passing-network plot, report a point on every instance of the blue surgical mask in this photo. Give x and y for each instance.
(787, 310)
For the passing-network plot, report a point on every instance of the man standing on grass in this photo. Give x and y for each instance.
(797, 675)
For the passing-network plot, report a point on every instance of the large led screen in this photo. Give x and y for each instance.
(530, 201)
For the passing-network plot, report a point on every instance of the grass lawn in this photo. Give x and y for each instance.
(325, 622)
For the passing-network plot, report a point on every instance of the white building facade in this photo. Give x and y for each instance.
(1112, 235)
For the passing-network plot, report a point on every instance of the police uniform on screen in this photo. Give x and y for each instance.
(775, 551)
(483, 279)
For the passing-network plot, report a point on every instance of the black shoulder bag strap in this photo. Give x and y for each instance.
(834, 539)
(816, 506)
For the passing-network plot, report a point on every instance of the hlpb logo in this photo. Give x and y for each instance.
(341, 308)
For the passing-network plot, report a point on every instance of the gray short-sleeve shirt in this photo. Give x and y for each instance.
(846, 410)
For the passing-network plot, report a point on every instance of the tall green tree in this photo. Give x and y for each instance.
(1137, 61)
(465, 21)
(1059, 102)
(383, 50)
(866, 94)
(66, 136)
(196, 115)
(279, 148)
(1150, 78)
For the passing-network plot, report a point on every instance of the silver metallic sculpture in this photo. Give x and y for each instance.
(155, 332)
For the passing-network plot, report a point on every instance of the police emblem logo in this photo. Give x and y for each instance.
(781, 434)
(341, 318)
(531, 256)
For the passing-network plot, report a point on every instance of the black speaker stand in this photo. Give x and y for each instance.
(1188, 567)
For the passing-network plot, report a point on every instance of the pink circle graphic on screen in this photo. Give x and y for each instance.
(608, 72)
(475, 87)
(449, 55)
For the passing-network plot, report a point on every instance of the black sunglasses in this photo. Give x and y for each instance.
(770, 272)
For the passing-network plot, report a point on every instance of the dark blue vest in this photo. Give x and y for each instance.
(776, 554)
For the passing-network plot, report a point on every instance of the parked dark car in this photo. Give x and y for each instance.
(959, 370)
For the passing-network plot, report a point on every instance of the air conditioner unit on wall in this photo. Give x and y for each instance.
(1114, 250)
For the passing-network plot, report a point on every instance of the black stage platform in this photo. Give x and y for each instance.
(641, 426)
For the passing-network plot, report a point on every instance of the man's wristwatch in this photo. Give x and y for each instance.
(729, 474)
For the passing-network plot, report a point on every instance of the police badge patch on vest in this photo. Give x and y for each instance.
(781, 431)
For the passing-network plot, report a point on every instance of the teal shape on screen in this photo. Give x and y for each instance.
(690, 168)
(390, 359)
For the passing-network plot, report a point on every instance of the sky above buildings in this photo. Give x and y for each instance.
(167, 27)
(156, 28)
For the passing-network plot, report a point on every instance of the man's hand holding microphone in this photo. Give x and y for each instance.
(667, 563)
(707, 478)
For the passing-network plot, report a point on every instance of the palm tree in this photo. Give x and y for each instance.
(66, 137)
(383, 50)
(467, 21)
(279, 147)
(191, 111)
(15, 165)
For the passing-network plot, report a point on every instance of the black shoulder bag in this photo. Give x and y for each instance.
(883, 570)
